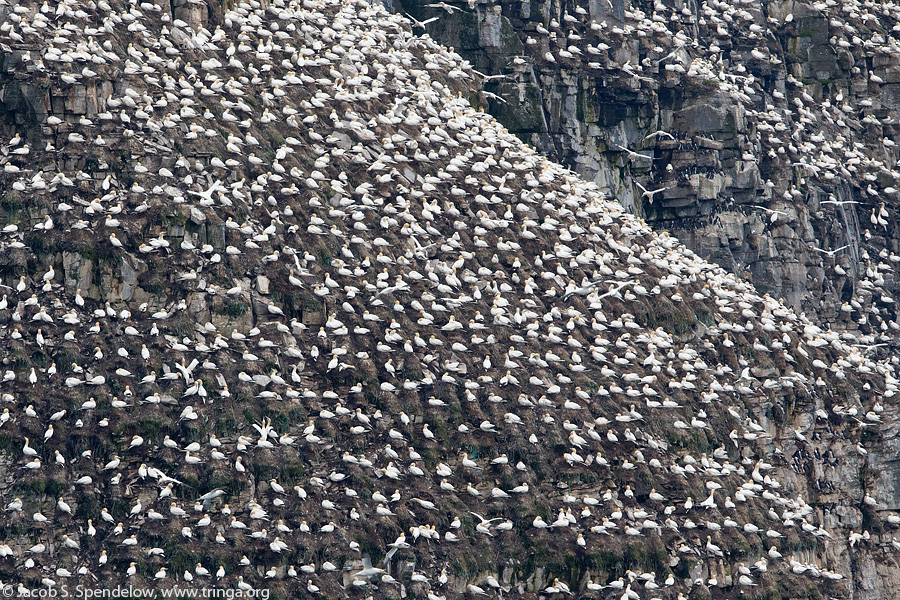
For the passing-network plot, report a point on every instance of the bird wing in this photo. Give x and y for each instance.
(480, 518)
(389, 555)
(209, 495)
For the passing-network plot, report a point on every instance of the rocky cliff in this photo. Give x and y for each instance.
(283, 310)
(758, 132)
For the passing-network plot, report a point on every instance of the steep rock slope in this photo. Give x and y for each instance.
(281, 303)
(761, 133)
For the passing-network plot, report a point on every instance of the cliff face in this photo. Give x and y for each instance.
(734, 111)
(265, 263)
(760, 133)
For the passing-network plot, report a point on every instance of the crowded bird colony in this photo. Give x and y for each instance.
(281, 310)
